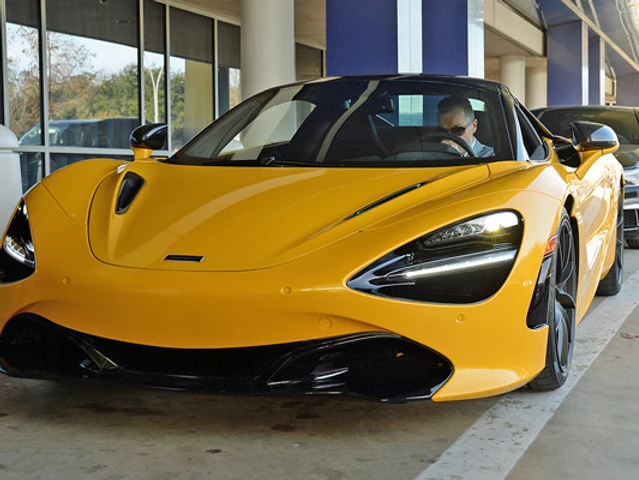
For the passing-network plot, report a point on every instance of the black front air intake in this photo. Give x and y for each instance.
(372, 365)
(129, 189)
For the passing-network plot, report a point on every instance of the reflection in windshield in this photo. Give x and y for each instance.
(357, 123)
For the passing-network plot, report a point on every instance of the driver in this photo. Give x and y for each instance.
(456, 116)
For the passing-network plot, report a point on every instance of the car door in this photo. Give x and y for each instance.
(592, 187)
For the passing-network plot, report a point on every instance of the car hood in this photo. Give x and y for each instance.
(627, 155)
(246, 218)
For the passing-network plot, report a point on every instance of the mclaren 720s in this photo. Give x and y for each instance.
(389, 237)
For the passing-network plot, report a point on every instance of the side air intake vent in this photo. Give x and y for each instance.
(129, 189)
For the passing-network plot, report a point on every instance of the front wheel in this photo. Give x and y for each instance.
(560, 315)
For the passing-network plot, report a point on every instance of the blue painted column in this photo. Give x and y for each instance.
(453, 37)
(628, 90)
(391, 36)
(596, 71)
(361, 37)
(567, 48)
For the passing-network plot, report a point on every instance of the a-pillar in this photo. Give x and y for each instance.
(512, 72)
(596, 71)
(453, 37)
(567, 50)
(628, 90)
(268, 44)
(536, 87)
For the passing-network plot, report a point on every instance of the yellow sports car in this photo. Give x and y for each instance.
(391, 237)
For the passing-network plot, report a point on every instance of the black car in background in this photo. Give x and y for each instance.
(624, 121)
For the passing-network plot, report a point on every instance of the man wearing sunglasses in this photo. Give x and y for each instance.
(456, 116)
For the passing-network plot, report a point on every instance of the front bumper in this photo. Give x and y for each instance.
(375, 365)
(488, 344)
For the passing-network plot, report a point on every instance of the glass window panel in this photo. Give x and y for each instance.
(191, 75)
(229, 74)
(60, 160)
(411, 110)
(308, 62)
(23, 51)
(31, 166)
(93, 65)
(154, 62)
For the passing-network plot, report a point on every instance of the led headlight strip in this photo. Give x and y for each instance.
(17, 257)
(461, 263)
(458, 264)
(21, 252)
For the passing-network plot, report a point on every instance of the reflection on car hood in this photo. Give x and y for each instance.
(628, 155)
(251, 218)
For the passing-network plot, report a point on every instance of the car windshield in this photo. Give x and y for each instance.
(356, 123)
(622, 121)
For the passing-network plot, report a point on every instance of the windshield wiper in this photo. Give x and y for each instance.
(270, 162)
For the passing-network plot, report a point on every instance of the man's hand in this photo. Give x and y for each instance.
(455, 145)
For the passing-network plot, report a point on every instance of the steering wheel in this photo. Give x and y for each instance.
(454, 138)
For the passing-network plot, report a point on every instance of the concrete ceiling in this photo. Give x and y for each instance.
(497, 46)
(310, 24)
(310, 17)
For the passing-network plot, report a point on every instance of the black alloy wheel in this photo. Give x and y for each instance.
(561, 314)
(611, 283)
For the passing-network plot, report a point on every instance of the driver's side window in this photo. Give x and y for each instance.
(534, 145)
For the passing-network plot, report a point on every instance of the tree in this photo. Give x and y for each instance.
(72, 81)
(77, 90)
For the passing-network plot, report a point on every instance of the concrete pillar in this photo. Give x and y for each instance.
(536, 84)
(512, 72)
(10, 177)
(596, 71)
(361, 38)
(268, 44)
(628, 90)
(453, 37)
(567, 48)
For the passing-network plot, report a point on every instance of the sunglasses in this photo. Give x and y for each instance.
(459, 130)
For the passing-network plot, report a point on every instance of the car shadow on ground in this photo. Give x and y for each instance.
(100, 405)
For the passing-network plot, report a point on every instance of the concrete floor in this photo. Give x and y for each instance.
(54, 431)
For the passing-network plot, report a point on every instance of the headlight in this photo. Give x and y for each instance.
(631, 177)
(462, 263)
(17, 257)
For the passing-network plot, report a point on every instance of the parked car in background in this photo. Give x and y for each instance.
(625, 122)
(74, 134)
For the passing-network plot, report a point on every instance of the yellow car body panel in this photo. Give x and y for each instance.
(283, 276)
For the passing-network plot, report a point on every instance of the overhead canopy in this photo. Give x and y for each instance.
(618, 21)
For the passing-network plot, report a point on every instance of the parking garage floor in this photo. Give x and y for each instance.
(589, 429)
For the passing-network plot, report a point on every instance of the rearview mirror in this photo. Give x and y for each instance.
(593, 136)
(147, 138)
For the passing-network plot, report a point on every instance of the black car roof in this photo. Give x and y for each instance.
(471, 82)
(582, 107)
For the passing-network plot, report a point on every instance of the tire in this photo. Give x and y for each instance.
(633, 242)
(611, 283)
(561, 313)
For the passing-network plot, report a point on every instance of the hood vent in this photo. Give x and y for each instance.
(129, 189)
(387, 198)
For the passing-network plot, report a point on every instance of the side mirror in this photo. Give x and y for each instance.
(593, 136)
(147, 138)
